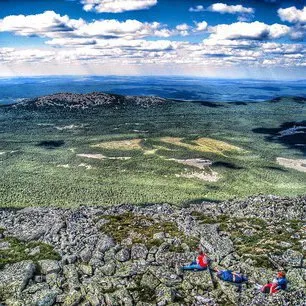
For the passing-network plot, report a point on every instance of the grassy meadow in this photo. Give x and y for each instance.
(106, 156)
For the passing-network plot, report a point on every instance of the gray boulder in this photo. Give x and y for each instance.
(14, 278)
(49, 266)
(123, 255)
(139, 251)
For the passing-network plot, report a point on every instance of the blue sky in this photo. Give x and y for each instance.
(246, 38)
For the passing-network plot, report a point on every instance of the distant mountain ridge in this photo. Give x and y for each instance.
(70, 100)
(83, 101)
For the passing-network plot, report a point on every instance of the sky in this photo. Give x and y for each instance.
(262, 39)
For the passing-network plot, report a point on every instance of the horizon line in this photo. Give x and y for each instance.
(152, 76)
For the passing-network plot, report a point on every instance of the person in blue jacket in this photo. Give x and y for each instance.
(230, 276)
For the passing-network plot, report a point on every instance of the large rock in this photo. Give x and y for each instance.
(201, 280)
(14, 278)
(123, 255)
(217, 246)
(232, 291)
(72, 277)
(105, 243)
(73, 298)
(295, 279)
(86, 254)
(139, 251)
(39, 296)
(149, 280)
(4, 245)
(292, 258)
(164, 295)
(49, 266)
(108, 269)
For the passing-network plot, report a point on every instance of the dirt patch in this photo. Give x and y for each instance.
(203, 176)
(63, 166)
(68, 127)
(196, 162)
(130, 144)
(296, 164)
(100, 156)
(86, 166)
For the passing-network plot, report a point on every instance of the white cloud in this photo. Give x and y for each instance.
(230, 9)
(292, 14)
(114, 28)
(118, 43)
(47, 24)
(223, 9)
(117, 6)
(122, 43)
(11, 55)
(298, 32)
(71, 42)
(198, 8)
(201, 26)
(254, 30)
(183, 29)
(52, 25)
(122, 56)
(278, 48)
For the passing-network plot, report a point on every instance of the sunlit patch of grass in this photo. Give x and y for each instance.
(128, 144)
(203, 144)
(19, 251)
(141, 229)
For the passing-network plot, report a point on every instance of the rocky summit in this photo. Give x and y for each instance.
(129, 255)
(88, 100)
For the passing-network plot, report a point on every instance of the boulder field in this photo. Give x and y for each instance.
(130, 255)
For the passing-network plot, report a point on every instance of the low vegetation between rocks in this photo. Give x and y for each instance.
(128, 255)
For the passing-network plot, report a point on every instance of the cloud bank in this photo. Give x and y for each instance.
(117, 6)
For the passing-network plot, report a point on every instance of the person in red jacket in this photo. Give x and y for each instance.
(279, 283)
(200, 264)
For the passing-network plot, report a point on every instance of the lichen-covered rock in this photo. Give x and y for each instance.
(4, 245)
(105, 243)
(292, 258)
(123, 255)
(72, 277)
(44, 297)
(295, 279)
(213, 242)
(86, 254)
(108, 269)
(149, 280)
(54, 280)
(139, 251)
(164, 295)
(72, 298)
(14, 278)
(233, 292)
(86, 269)
(201, 279)
(49, 266)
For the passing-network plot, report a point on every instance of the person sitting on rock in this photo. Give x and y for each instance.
(230, 276)
(279, 283)
(200, 264)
